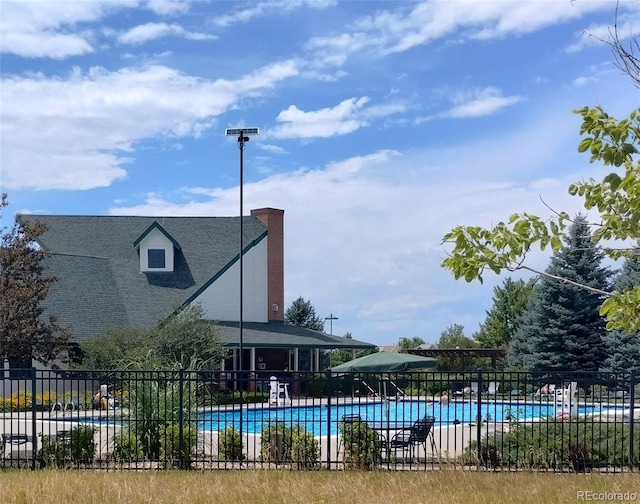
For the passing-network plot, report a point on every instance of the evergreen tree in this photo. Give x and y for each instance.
(26, 332)
(303, 314)
(509, 302)
(623, 348)
(562, 328)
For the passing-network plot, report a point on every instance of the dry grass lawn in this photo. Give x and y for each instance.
(265, 487)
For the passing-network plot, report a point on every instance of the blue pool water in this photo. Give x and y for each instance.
(321, 419)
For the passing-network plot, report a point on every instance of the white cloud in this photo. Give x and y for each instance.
(167, 7)
(480, 102)
(150, 31)
(583, 81)
(598, 34)
(411, 25)
(363, 235)
(50, 29)
(346, 117)
(260, 9)
(86, 126)
(274, 149)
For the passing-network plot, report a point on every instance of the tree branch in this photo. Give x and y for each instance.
(563, 280)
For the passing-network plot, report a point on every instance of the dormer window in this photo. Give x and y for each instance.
(157, 249)
(156, 258)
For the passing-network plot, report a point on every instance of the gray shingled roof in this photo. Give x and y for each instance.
(100, 284)
(281, 335)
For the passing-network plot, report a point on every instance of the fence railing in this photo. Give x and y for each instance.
(214, 420)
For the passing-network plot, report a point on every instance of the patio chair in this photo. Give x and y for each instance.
(417, 436)
(494, 386)
(474, 388)
(14, 446)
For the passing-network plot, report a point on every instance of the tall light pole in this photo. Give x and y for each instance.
(243, 137)
(331, 318)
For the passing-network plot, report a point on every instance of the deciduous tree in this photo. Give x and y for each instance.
(615, 198)
(453, 337)
(406, 344)
(182, 340)
(26, 331)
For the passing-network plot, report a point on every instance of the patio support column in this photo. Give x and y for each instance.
(252, 359)
(296, 359)
(317, 359)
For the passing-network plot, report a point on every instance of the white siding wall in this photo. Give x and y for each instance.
(221, 300)
(156, 240)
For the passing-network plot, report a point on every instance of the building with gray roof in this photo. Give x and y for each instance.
(137, 271)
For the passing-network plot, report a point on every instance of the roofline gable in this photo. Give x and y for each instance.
(157, 226)
(220, 272)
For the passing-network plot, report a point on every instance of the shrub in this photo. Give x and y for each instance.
(77, 447)
(273, 429)
(315, 384)
(305, 449)
(489, 456)
(554, 444)
(220, 398)
(230, 444)
(362, 447)
(170, 444)
(579, 457)
(127, 447)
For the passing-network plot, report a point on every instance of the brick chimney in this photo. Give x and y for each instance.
(274, 220)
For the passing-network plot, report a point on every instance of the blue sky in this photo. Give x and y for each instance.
(382, 126)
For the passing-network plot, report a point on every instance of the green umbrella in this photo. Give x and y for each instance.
(385, 362)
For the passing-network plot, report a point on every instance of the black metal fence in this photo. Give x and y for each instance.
(392, 421)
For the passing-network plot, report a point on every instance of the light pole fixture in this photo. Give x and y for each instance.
(243, 137)
(331, 318)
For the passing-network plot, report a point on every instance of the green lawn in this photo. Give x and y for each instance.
(263, 487)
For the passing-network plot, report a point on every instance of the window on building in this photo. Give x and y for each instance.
(156, 258)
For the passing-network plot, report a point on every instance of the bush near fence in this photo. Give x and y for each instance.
(556, 444)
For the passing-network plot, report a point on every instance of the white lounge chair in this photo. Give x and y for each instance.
(494, 386)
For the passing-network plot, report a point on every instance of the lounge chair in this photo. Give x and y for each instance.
(409, 440)
(457, 389)
(475, 387)
(494, 386)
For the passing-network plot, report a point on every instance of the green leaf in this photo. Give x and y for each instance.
(585, 145)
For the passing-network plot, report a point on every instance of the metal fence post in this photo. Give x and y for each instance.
(479, 413)
(632, 384)
(34, 442)
(183, 462)
(328, 391)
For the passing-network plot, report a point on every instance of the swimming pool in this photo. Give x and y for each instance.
(321, 419)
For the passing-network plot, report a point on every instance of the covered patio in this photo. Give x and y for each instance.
(279, 349)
